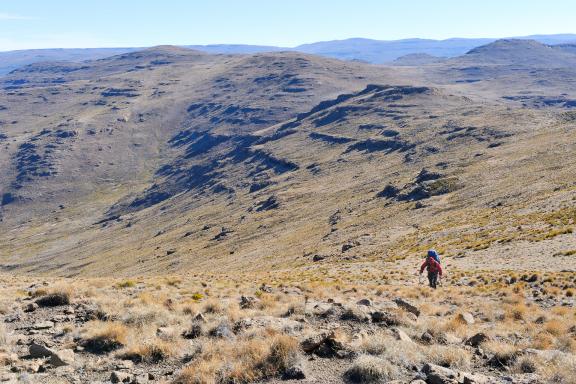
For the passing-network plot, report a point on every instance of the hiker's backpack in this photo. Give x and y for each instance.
(435, 255)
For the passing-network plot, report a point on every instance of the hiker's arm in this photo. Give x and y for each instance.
(440, 269)
(423, 266)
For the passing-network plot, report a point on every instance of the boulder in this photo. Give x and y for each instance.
(407, 306)
(436, 374)
(38, 351)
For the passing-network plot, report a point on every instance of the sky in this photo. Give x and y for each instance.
(27, 24)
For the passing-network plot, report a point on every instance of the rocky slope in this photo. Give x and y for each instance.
(168, 159)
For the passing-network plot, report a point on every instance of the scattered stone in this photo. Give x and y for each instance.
(407, 306)
(62, 358)
(355, 314)
(427, 338)
(475, 378)
(477, 339)
(295, 372)
(348, 246)
(247, 302)
(124, 365)
(365, 302)
(120, 377)
(42, 325)
(401, 335)
(317, 258)
(196, 330)
(165, 333)
(436, 374)
(266, 288)
(311, 343)
(386, 318)
(30, 307)
(222, 331)
(466, 317)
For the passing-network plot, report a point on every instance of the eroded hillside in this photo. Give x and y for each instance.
(170, 159)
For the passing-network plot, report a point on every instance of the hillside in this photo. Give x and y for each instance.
(169, 159)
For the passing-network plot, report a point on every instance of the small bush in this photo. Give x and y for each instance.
(449, 356)
(213, 306)
(126, 284)
(525, 364)
(153, 351)
(196, 330)
(54, 299)
(197, 296)
(104, 337)
(371, 369)
(250, 360)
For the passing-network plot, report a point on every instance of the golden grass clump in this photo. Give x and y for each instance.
(450, 356)
(126, 284)
(371, 369)
(55, 297)
(246, 360)
(151, 351)
(103, 337)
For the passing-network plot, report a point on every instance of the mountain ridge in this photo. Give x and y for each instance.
(374, 51)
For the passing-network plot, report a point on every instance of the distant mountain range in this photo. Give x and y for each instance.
(367, 50)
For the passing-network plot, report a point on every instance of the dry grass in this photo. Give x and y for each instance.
(55, 297)
(151, 351)
(371, 369)
(450, 356)
(103, 337)
(504, 354)
(247, 360)
(3, 336)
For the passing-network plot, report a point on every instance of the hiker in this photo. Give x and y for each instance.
(432, 264)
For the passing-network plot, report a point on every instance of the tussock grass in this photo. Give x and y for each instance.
(371, 369)
(56, 297)
(150, 351)
(247, 360)
(103, 337)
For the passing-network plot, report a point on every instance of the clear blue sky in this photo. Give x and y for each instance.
(106, 23)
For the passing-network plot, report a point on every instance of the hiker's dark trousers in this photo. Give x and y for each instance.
(433, 279)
